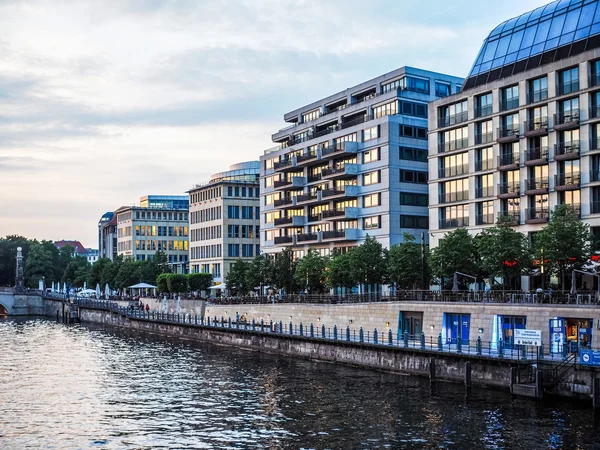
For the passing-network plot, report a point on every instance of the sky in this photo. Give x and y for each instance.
(104, 102)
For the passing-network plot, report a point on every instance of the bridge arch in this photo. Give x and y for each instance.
(3, 310)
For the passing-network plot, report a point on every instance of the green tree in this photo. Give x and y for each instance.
(504, 252)
(564, 244)
(310, 272)
(8, 253)
(38, 264)
(128, 274)
(238, 280)
(338, 275)
(96, 272)
(199, 281)
(407, 265)
(260, 272)
(162, 286)
(367, 263)
(283, 269)
(77, 272)
(456, 252)
(177, 283)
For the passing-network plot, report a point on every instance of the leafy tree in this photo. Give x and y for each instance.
(128, 274)
(238, 280)
(8, 253)
(96, 272)
(161, 283)
(338, 273)
(456, 252)
(38, 264)
(407, 266)
(504, 252)
(77, 272)
(310, 272)
(199, 281)
(260, 272)
(283, 269)
(564, 244)
(177, 283)
(367, 263)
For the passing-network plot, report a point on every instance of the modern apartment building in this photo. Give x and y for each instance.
(351, 165)
(159, 223)
(107, 236)
(224, 220)
(523, 135)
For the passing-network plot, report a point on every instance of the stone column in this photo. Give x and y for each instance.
(20, 279)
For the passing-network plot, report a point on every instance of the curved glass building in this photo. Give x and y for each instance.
(523, 135)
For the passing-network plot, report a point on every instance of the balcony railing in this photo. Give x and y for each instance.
(484, 219)
(514, 216)
(484, 191)
(567, 179)
(355, 121)
(594, 143)
(307, 237)
(484, 164)
(282, 183)
(538, 124)
(567, 148)
(595, 175)
(539, 153)
(454, 223)
(445, 172)
(284, 221)
(509, 131)
(483, 111)
(537, 214)
(283, 240)
(594, 207)
(510, 103)
(537, 184)
(282, 164)
(334, 234)
(332, 192)
(305, 198)
(306, 156)
(567, 118)
(568, 87)
(454, 197)
(484, 138)
(446, 121)
(538, 96)
(453, 145)
(594, 80)
(333, 213)
(283, 201)
(508, 159)
(509, 187)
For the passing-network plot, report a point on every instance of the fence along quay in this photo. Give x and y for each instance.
(524, 370)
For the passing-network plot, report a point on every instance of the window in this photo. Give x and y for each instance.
(247, 250)
(510, 97)
(568, 111)
(247, 212)
(453, 114)
(371, 200)
(413, 154)
(233, 212)
(370, 223)
(312, 115)
(413, 132)
(454, 190)
(388, 109)
(538, 89)
(484, 159)
(484, 132)
(233, 231)
(454, 139)
(233, 250)
(371, 155)
(454, 165)
(442, 89)
(237, 191)
(409, 176)
(419, 222)
(412, 109)
(371, 133)
(415, 84)
(484, 186)
(483, 105)
(390, 86)
(414, 199)
(371, 178)
(454, 216)
(568, 81)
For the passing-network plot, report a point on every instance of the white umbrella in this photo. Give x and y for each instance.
(106, 292)
(455, 282)
(84, 285)
(98, 291)
(53, 286)
(573, 283)
(178, 304)
(58, 287)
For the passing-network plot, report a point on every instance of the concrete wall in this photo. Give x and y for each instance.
(22, 305)
(193, 307)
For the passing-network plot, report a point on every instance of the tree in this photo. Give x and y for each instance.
(238, 279)
(260, 272)
(407, 266)
(338, 272)
(456, 252)
(40, 263)
(564, 244)
(177, 283)
(77, 272)
(283, 271)
(310, 272)
(367, 263)
(199, 281)
(161, 283)
(128, 274)
(97, 270)
(504, 252)
(8, 253)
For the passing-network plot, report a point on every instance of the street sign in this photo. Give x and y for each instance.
(528, 337)
(589, 357)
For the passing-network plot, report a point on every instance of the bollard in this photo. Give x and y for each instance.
(458, 345)
(405, 339)
(361, 335)
(335, 332)
(422, 341)
(208, 321)
(196, 319)
(431, 370)
(468, 375)
(375, 336)
(348, 333)
(229, 322)
(596, 393)
(500, 349)
(479, 347)
(280, 327)
(440, 345)
(291, 328)
(541, 351)
(57, 316)
(262, 325)
(323, 331)
(271, 325)
(301, 329)
(312, 330)
(390, 337)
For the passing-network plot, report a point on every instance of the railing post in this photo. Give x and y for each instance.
(479, 347)
(390, 337)
(440, 344)
(361, 335)
(375, 336)
(208, 321)
(312, 330)
(301, 329)
(271, 325)
(323, 331)
(500, 348)
(262, 325)
(422, 341)
(564, 350)
(291, 328)
(458, 345)
(405, 339)
(280, 327)
(335, 332)
(229, 322)
(253, 325)
(196, 318)
(347, 333)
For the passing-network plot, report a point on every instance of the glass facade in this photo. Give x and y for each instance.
(546, 28)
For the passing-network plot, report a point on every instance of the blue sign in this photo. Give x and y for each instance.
(589, 357)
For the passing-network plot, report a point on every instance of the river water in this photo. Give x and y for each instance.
(68, 387)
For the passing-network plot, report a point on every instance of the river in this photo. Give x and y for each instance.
(67, 387)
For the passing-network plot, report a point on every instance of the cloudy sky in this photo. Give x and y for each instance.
(102, 102)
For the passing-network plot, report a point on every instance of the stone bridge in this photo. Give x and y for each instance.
(28, 303)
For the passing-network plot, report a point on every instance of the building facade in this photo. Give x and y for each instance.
(351, 165)
(224, 220)
(107, 236)
(523, 135)
(159, 223)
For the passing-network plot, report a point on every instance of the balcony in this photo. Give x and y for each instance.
(484, 219)
(284, 165)
(302, 160)
(536, 127)
(484, 191)
(594, 207)
(509, 189)
(340, 149)
(484, 138)
(454, 223)
(566, 120)
(293, 183)
(536, 156)
(348, 191)
(537, 215)
(453, 171)
(286, 201)
(509, 104)
(459, 144)
(483, 111)
(575, 207)
(451, 197)
(307, 237)
(568, 87)
(447, 121)
(508, 133)
(335, 214)
(538, 96)
(513, 217)
(567, 181)
(484, 164)
(566, 150)
(282, 240)
(294, 221)
(535, 186)
(349, 234)
(509, 161)
(348, 171)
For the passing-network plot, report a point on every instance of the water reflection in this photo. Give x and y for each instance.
(81, 387)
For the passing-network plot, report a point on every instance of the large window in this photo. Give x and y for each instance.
(455, 139)
(312, 115)
(484, 158)
(484, 185)
(388, 109)
(483, 105)
(454, 216)
(371, 155)
(233, 250)
(453, 114)
(485, 213)
(454, 165)
(371, 133)
(413, 154)
(418, 222)
(538, 89)
(233, 212)
(413, 132)
(414, 199)
(442, 89)
(454, 190)
(370, 223)
(372, 200)
(371, 178)
(415, 84)
(409, 176)
(510, 97)
(484, 132)
(568, 81)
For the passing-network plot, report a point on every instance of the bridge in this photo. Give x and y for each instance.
(28, 302)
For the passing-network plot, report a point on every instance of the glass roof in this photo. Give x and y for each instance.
(545, 28)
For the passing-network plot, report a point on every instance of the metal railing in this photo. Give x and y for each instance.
(484, 219)
(567, 148)
(450, 197)
(484, 138)
(483, 111)
(567, 117)
(484, 164)
(538, 96)
(514, 216)
(509, 187)
(454, 223)
(535, 184)
(540, 123)
(453, 171)
(567, 179)
(455, 119)
(509, 159)
(451, 146)
(568, 87)
(537, 214)
(538, 153)
(509, 131)
(510, 103)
